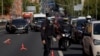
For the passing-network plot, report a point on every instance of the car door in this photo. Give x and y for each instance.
(86, 44)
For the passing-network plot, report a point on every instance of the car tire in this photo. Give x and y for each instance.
(84, 54)
(11, 32)
(26, 31)
(90, 49)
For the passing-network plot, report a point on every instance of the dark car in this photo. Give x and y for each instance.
(79, 30)
(17, 25)
(36, 23)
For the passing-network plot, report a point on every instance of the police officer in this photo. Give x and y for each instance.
(57, 31)
(45, 33)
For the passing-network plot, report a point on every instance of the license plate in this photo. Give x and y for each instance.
(20, 28)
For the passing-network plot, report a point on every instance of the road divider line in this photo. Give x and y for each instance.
(60, 53)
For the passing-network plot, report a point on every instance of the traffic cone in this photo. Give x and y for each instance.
(52, 53)
(7, 41)
(23, 47)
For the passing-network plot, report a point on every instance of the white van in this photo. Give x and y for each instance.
(91, 40)
(37, 20)
(39, 15)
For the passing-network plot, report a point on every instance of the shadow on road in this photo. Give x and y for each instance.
(73, 55)
(54, 48)
(76, 48)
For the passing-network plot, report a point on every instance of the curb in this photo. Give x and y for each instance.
(2, 27)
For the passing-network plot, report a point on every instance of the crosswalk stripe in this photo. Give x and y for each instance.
(60, 53)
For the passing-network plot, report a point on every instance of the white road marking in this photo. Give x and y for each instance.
(60, 53)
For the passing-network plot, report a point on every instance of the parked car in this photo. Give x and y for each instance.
(17, 25)
(91, 40)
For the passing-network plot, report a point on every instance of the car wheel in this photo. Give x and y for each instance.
(90, 49)
(26, 31)
(84, 54)
(11, 32)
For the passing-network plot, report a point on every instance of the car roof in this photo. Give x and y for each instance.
(40, 15)
(95, 22)
(82, 17)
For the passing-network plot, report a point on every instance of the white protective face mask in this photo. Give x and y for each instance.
(89, 21)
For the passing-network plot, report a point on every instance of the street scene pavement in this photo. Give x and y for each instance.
(30, 45)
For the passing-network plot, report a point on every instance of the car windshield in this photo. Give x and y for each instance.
(38, 19)
(19, 22)
(96, 28)
(80, 22)
(73, 22)
(65, 25)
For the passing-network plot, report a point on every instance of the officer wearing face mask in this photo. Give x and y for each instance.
(46, 33)
(88, 18)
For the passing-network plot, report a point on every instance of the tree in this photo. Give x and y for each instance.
(7, 4)
(90, 8)
(68, 5)
(28, 3)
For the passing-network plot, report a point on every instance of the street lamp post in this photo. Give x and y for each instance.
(2, 9)
(88, 7)
(96, 5)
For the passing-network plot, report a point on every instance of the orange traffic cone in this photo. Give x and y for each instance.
(23, 47)
(8, 41)
(52, 53)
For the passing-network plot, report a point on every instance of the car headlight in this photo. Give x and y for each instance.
(63, 35)
(35, 22)
(13, 26)
(96, 42)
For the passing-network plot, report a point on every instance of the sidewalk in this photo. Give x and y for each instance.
(2, 27)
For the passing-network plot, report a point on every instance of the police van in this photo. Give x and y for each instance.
(37, 20)
(91, 40)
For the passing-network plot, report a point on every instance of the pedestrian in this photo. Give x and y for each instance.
(45, 33)
(57, 29)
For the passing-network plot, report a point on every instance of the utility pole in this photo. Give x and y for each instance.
(88, 7)
(2, 9)
(73, 7)
(96, 5)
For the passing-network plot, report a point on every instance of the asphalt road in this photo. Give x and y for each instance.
(32, 42)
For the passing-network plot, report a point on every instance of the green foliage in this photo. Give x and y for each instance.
(7, 4)
(90, 8)
(27, 3)
(68, 5)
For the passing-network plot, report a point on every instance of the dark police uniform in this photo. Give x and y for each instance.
(45, 33)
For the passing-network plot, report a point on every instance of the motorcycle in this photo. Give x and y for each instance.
(66, 39)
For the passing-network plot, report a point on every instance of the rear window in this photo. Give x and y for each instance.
(38, 19)
(80, 22)
(19, 22)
